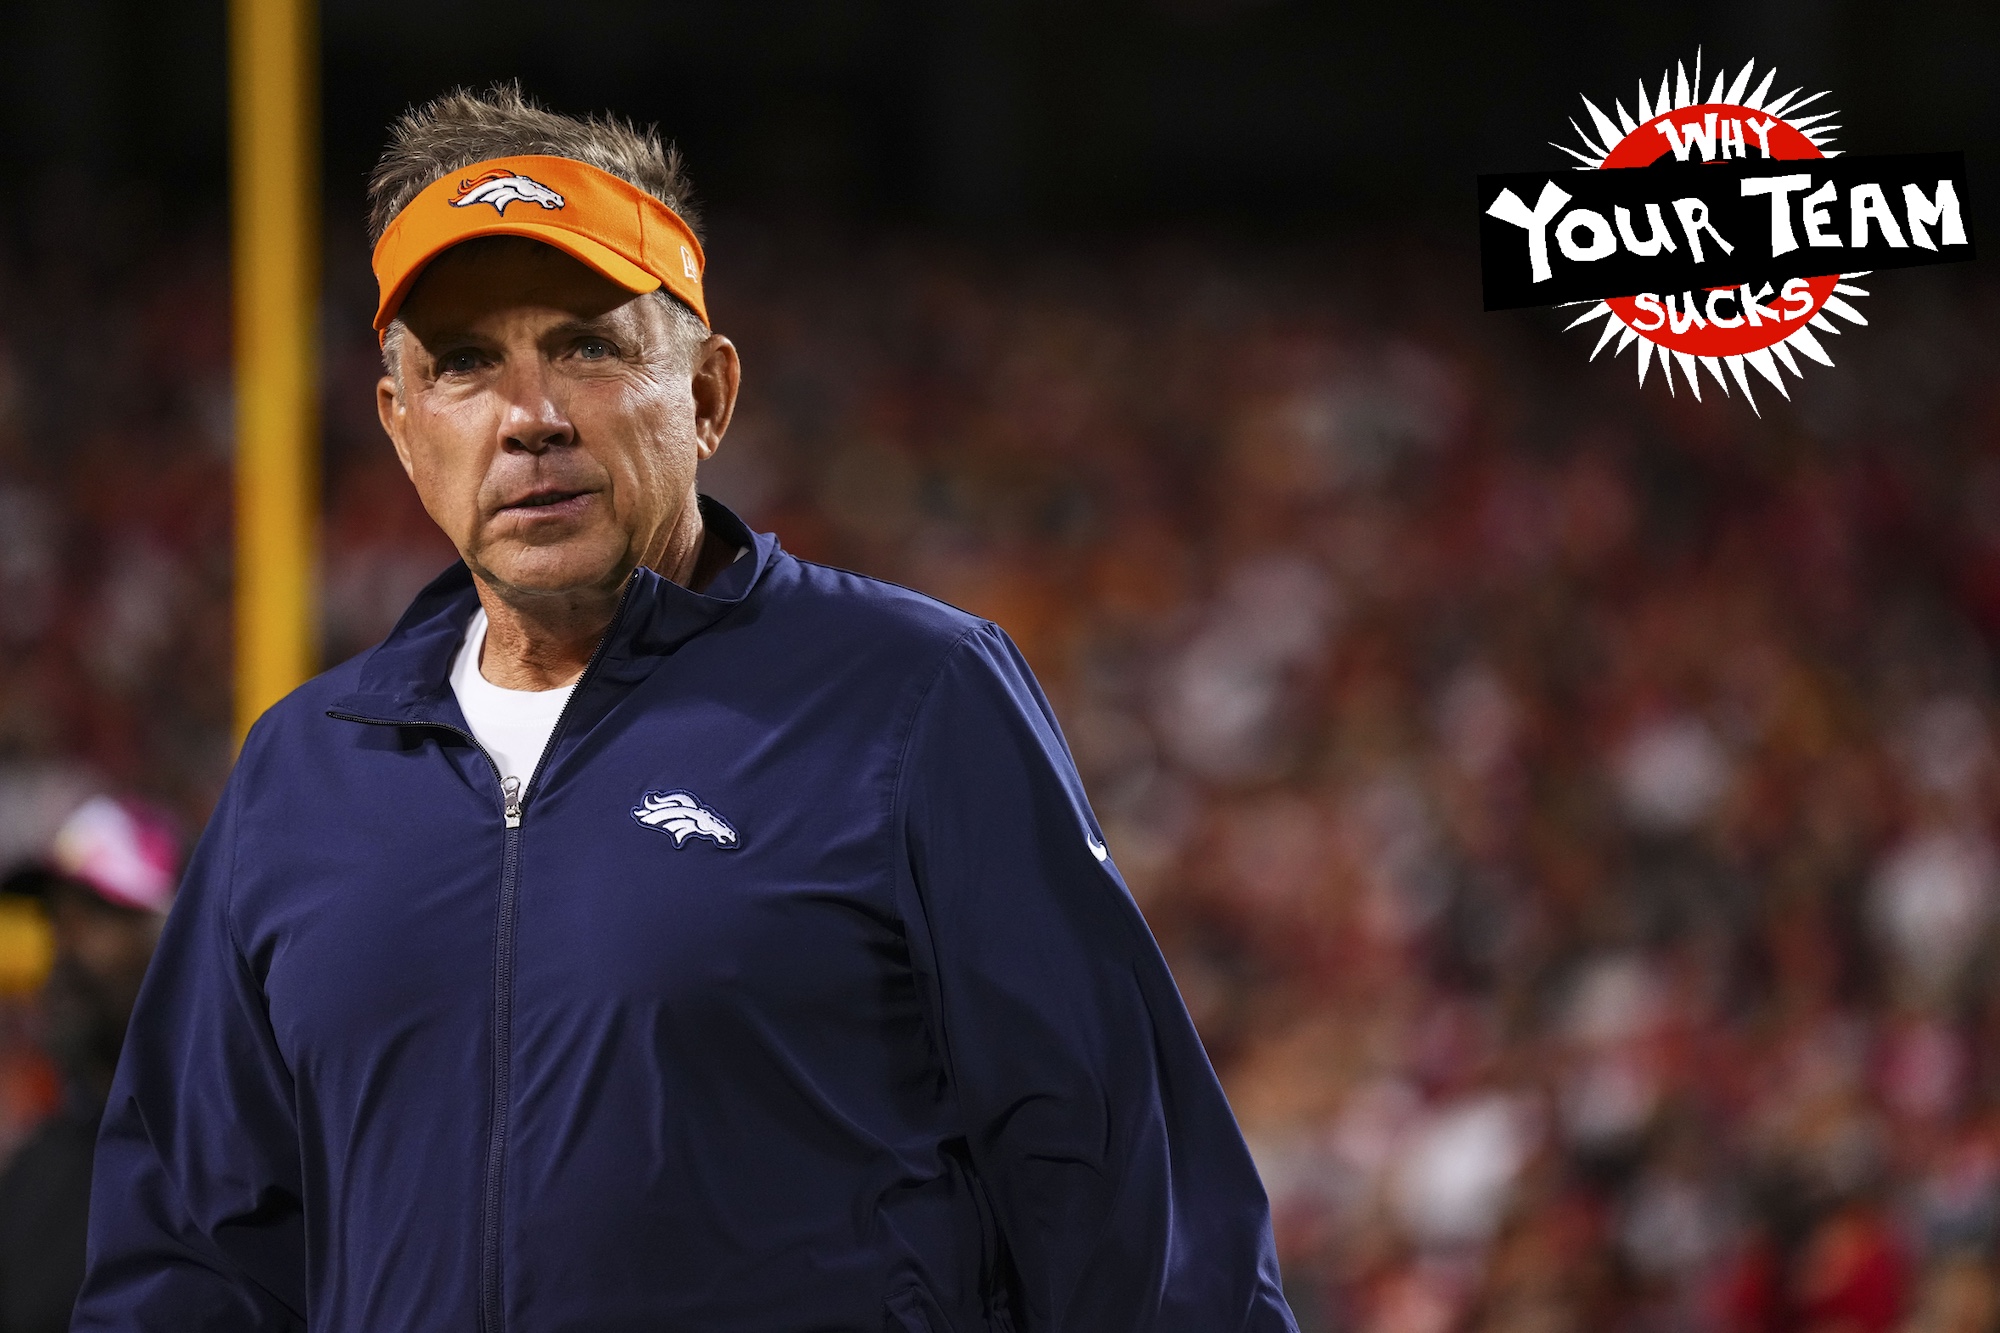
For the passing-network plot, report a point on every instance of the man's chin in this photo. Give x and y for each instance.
(555, 570)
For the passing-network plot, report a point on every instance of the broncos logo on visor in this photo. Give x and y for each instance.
(680, 816)
(501, 188)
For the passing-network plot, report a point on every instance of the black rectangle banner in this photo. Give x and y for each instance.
(1554, 236)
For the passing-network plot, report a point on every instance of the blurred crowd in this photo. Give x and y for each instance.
(1569, 810)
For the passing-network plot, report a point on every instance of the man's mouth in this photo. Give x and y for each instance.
(544, 500)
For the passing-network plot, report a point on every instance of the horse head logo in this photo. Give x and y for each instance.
(501, 188)
(680, 816)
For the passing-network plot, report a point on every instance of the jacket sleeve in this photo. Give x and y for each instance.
(195, 1214)
(1123, 1190)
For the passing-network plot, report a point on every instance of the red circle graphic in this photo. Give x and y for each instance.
(1701, 336)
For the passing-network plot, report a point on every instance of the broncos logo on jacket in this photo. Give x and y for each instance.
(501, 188)
(681, 817)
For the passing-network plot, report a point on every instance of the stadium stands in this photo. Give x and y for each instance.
(1569, 810)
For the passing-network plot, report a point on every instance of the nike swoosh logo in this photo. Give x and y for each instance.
(1097, 849)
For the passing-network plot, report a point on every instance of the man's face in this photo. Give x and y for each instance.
(549, 419)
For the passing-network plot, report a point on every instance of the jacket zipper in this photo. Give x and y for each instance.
(490, 1315)
(513, 802)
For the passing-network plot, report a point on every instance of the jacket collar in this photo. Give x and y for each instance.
(407, 677)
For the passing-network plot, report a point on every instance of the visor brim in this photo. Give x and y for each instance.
(594, 255)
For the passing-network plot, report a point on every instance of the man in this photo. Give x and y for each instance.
(655, 932)
(105, 884)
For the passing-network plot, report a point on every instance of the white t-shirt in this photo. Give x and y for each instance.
(513, 725)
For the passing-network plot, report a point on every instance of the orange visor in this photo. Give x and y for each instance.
(616, 228)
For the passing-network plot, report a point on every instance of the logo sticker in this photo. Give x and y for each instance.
(501, 188)
(681, 816)
(1727, 254)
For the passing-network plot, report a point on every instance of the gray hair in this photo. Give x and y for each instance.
(451, 132)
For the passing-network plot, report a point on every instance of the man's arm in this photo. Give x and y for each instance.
(195, 1221)
(1124, 1191)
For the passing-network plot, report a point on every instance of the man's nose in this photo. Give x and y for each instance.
(534, 420)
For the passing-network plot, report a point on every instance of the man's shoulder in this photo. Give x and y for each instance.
(868, 614)
(308, 705)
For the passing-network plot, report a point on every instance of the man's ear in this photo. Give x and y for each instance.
(717, 375)
(390, 408)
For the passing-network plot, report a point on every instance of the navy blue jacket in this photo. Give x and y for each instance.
(795, 993)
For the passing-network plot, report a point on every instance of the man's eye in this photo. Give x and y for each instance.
(594, 349)
(461, 362)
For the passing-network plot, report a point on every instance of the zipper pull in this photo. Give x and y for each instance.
(510, 791)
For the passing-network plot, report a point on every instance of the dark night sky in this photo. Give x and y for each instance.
(989, 114)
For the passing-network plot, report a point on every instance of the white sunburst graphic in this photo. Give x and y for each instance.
(1694, 125)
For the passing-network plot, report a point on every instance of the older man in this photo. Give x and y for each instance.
(656, 931)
